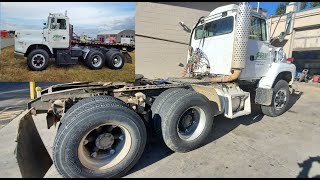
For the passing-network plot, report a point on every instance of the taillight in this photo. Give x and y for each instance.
(290, 60)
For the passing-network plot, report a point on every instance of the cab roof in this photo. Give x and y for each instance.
(231, 7)
(57, 15)
(224, 8)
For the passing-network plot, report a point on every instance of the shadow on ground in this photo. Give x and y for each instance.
(295, 96)
(306, 166)
(156, 150)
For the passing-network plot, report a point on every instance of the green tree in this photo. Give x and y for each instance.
(303, 5)
(281, 9)
(315, 4)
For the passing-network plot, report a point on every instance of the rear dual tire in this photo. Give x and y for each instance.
(100, 139)
(115, 59)
(184, 119)
(95, 59)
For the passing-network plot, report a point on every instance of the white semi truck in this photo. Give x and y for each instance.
(56, 40)
(102, 126)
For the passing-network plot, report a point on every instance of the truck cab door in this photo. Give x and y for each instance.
(259, 55)
(58, 33)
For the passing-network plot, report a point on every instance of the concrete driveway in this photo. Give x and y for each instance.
(249, 146)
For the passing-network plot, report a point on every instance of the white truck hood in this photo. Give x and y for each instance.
(29, 33)
(25, 38)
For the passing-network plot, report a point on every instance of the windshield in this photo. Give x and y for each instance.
(215, 28)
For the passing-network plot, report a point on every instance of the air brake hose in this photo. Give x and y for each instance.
(199, 20)
(195, 57)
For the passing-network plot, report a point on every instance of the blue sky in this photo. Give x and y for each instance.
(269, 6)
(87, 17)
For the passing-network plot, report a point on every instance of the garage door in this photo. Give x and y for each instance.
(307, 60)
(306, 49)
(307, 39)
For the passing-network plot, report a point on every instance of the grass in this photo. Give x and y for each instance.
(12, 69)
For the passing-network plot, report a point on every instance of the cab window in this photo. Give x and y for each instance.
(258, 29)
(215, 28)
(62, 23)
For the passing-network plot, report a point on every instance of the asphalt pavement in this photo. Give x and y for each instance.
(14, 97)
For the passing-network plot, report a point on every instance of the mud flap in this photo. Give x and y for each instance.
(128, 58)
(32, 156)
(264, 96)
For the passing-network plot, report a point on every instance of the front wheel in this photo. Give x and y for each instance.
(38, 60)
(280, 99)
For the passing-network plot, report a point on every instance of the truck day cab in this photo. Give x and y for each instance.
(102, 126)
(56, 41)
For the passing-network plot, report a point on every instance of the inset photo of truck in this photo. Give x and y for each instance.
(63, 42)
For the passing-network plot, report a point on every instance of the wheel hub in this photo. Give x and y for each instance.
(104, 141)
(187, 121)
(280, 99)
(117, 61)
(191, 123)
(96, 61)
(37, 60)
(104, 146)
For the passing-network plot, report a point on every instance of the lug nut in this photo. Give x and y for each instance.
(94, 154)
(85, 142)
(121, 137)
(112, 151)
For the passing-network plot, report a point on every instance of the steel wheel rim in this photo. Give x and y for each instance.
(38, 60)
(191, 123)
(280, 99)
(104, 158)
(117, 61)
(96, 60)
